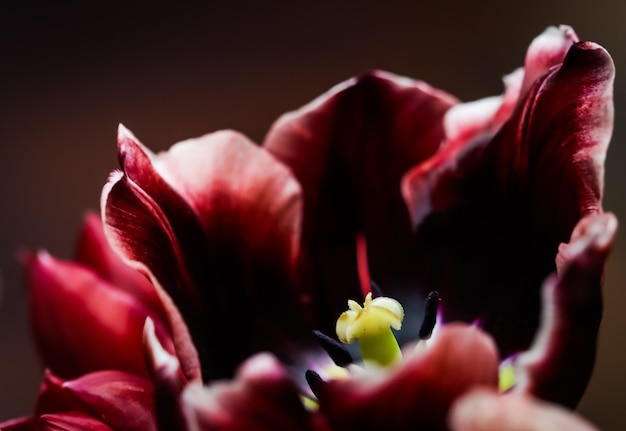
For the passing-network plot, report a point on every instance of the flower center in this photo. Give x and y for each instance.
(371, 324)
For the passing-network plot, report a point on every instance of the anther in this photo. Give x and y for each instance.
(335, 349)
(430, 315)
(314, 380)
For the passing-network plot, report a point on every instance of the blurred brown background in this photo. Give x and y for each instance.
(70, 73)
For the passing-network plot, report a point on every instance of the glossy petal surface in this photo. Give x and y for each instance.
(216, 220)
(491, 215)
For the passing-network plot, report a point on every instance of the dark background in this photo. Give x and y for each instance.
(70, 73)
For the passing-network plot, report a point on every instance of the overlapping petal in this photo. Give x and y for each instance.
(571, 314)
(349, 149)
(81, 322)
(217, 222)
(262, 396)
(493, 214)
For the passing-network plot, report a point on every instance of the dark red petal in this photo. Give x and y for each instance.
(418, 393)
(216, 220)
(81, 322)
(72, 421)
(559, 364)
(262, 397)
(131, 215)
(568, 128)
(491, 214)
(94, 251)
(484, 410)
(349, 149)
(20, 424)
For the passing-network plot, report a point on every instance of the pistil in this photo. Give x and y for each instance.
(371, 325)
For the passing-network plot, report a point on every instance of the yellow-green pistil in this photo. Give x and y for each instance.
(371, 325)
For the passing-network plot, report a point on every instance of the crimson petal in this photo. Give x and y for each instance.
(81, 322)
(490, 217)
(216, 220)
(349, 149)
(417, 394)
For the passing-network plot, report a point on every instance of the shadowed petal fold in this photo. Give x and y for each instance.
(490, 217)
(349, 149)
(216, 220)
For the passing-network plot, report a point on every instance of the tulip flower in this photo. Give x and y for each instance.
(481, 222)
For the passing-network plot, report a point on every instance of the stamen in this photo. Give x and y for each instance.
(430, 315)
(507, 375)
(314, 380)
(337, 352)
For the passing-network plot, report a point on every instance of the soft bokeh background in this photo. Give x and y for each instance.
(70, 73)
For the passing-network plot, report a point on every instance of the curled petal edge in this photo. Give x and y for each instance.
(559, 363)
